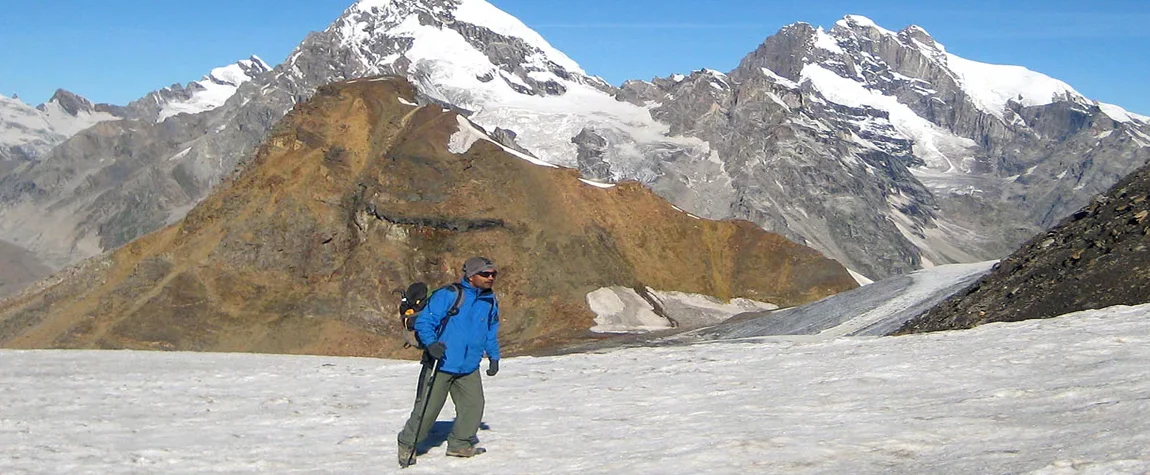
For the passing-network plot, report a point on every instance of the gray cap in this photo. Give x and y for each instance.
(476, 265)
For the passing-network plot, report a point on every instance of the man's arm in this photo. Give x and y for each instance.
(492, 346)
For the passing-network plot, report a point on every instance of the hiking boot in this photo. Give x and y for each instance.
(406, 456)
(469, 451)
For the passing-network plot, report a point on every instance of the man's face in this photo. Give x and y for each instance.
(483, 280)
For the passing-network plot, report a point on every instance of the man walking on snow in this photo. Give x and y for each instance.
(457, 351)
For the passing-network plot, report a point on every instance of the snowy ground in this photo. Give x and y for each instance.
(1067, 395)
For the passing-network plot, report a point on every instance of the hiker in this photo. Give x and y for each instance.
(451, 361)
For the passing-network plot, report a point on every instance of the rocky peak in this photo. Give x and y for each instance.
(784, 53)
(385, 36)
(917, 33)
(860, 27)
(70, 102)
(238, 73)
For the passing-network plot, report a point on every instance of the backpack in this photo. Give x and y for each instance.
(412, 302)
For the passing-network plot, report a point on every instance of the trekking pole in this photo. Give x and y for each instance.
(423, 413)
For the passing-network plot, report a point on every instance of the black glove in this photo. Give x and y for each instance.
(492, 367)
(436, 350)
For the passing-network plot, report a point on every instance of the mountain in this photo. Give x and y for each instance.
(1095, 258)
(27, 132)
(360, 191)
(26, 135)
(212, 91)
(113, 184)
(888, 153)
(88, 177)
(879, 149)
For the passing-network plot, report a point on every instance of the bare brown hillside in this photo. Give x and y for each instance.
(355, 194)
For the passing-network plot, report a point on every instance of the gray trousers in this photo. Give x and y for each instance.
(466, 394)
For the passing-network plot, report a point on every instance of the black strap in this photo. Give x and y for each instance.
(454, 310)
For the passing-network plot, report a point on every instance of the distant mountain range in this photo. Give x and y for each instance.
(876, 147)
(27, 132)
(360, 191)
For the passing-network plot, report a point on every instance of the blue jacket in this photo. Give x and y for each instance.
(469, 334)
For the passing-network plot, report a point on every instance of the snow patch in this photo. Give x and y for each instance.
(789, 84)
(183, 153)
(462, 140)
(597, 184)
(827, 42)
(861, 279)
(623, 310)
(681, 210)
(1122, 115)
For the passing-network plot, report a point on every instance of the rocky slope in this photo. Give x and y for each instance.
(360, 191)
(17, 268)
(1097, 257)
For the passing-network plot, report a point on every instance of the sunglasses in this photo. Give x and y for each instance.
(486, 274)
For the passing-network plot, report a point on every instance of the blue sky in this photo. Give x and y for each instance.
(116, 51)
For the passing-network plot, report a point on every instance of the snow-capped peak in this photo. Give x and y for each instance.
(71, 103)
(368, 20)
(479, 12)
(990, 86)
(915, 29)
(213, 89)
(238, 73)
(36, 130)
(481, 60)
(67, 113)
(859, 21)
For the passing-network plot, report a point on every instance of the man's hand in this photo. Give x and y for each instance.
(492, 367)
(436, 350)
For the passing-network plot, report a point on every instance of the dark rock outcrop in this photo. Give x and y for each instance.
(1097, 257)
